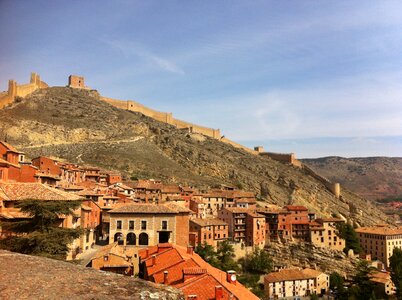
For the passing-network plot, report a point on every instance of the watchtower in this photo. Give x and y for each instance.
(75, 81)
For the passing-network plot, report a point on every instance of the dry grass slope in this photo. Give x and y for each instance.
(75, 125)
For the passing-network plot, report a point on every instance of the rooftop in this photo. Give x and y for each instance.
(168, 208)
(34, 191)
(380, 230)
(208, 222)
(292, 274)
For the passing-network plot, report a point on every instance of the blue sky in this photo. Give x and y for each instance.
(317, 78)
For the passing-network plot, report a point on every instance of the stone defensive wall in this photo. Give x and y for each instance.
(333, 187)
(288, 158)
(162, 117)
(21, 90)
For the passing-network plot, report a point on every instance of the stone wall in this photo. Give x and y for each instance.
(21, 90)
(289, 158)
(333, 187)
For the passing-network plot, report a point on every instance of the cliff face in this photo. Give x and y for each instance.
(77, 126)
(370, 177)
(32, 277)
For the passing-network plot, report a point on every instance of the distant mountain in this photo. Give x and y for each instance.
(77, 126)
(370, 177)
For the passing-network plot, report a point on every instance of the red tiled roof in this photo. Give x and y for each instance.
(175, 272)
(208, 222)
(35, 191)
(295, 208)
(218, 276)
(170, 189)
(167, 208)
(9, 147)
(291, 274)
(204, 287)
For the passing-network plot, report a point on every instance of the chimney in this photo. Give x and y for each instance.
(231, 277)
(165, 277)
(153, 259)
(218, 292)
(190, 250)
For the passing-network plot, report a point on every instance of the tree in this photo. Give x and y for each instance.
(39, 234)
(348, 233)
(207, 253)
(363, 288)
(396, 271)
(258, 262)
(225, 255)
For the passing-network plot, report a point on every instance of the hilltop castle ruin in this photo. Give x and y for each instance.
(78, 82)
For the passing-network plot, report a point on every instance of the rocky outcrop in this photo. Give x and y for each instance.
(306, 255)
(32, 277)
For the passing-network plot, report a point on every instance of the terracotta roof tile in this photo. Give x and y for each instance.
(380, 230)
(35, 191)
(291, 274)
(168, 208)
(295, 208)
(208, 222)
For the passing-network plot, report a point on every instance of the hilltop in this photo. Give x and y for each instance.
(76, 125)
(370, 177)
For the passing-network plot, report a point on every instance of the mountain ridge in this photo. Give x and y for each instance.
(76, 125)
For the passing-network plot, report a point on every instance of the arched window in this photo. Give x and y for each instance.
(143, 239)
(118, 237)
(131, 239)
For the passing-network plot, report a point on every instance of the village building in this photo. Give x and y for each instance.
(47, 165)
(10, 193)
(295, 283)
(245, 225)
(149, 224)
(198, 208)
(13, 166)
(380, 241)
(116, 259)
(182, 268)
(209, 231)
(147, 191)
(383, 284)
(323, 233)
(287, 223)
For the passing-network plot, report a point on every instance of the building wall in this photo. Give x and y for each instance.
(327, 238)
(27, 173)
(182, 229)
(255, 231)
(301, 288)
(46, 165)
(178, 225)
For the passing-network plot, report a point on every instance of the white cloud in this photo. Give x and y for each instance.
(129, 49)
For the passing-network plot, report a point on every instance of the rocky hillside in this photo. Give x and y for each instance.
(75, 125)
(370, 177)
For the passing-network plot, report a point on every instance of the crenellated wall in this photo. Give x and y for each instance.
(289, 158)
(21, 90)
(162, 117)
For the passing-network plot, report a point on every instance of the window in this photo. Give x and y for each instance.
(164, 225)
(131, 225)
(118, 224)
(105, 258)
(143, 225)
